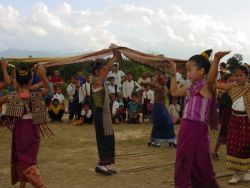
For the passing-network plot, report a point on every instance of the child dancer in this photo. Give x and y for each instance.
(102, 117)
(193, 164)
(238, 135)
(28, 110)
(163, 130)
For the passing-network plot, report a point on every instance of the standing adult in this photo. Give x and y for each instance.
(57, 80)
(117, 74)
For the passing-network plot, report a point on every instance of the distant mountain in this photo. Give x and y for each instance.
(16, 53)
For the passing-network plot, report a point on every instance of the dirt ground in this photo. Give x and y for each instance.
(68, 159)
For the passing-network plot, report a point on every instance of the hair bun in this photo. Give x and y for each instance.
(207, 53)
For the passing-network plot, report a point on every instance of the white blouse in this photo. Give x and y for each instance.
(239, 105)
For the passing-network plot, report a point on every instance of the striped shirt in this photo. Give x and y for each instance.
(197, 106)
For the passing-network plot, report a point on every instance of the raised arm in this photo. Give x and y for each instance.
(44, 84)
(212, 75)
(6, 78)
(174, 90)
(224, 86)
(109, 66)
(154, 83)
(13, 75)
(3, 99)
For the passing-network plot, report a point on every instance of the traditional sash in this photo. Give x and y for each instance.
(16, 107)
(107, 121)
(242, 90)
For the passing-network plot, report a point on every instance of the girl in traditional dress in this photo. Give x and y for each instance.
(225, 106)
(102, 117)
(193, 163)
(238, 135)
(163, 130)
(27, 110)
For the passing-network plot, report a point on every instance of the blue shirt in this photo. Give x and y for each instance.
(134, 107)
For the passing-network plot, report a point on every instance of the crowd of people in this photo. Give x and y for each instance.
(109, 96)
(130, 101)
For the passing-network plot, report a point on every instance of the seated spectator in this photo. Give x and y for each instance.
(86, 116)
(58, 95)
(129, 86)
(174, 110)
(121, 112)
(56, 111)
(147, 102)
(133, 110)
(114, 107)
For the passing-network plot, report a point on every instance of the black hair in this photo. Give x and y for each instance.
(23, 78)
(201, 62)
(55, 100)
(158, 69)
(128, 73)
(243, 68)
(134, 94)
(227, 76)
(111, 78)
(86, 104)
(223, 65)
(96, 65)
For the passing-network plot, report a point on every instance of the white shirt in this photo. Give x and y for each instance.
(129, 87)
(111, 89)
(148, 94)
(141, 80)
(59, 96)
(117, 76)
(183, 83)
(239, 105)
(85, 89)
(71, 91)
(115, 107)
(178, 76)
(88, 114)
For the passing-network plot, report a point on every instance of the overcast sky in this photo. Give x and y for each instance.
(175, 28)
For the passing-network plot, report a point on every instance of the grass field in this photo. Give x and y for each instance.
(68, 159)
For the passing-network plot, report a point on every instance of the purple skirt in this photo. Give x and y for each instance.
(25, 148)
(193, 164)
